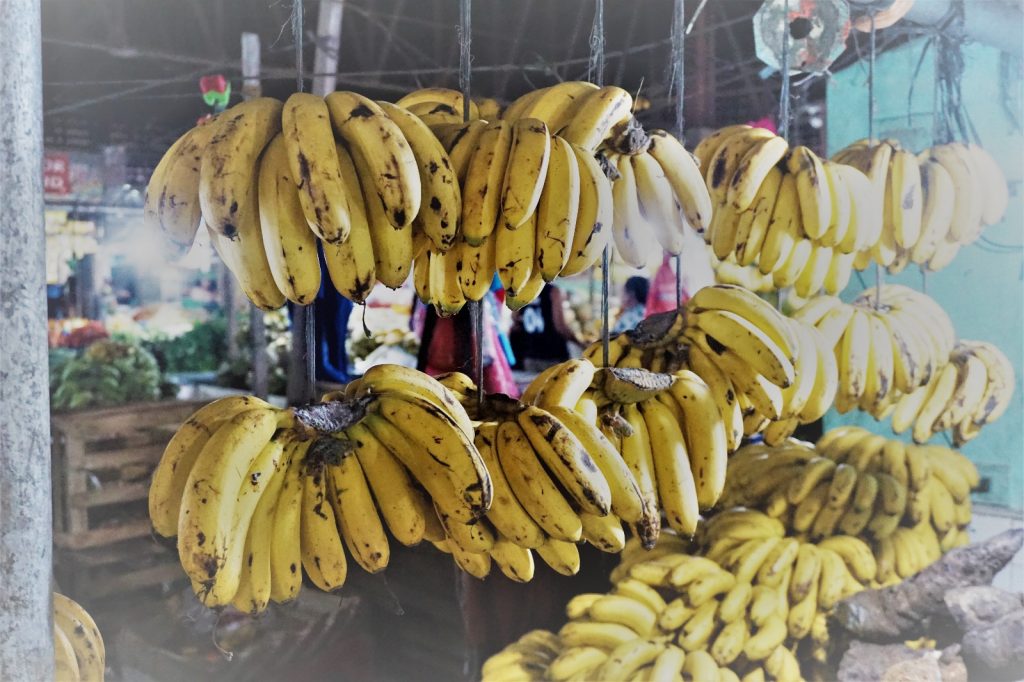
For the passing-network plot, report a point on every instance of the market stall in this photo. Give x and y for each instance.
(510, 371)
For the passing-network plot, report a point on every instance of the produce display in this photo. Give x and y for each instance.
(392, 189)
(78, 646)
(768, 373)
(105, 374)
(749, 597)
(934, 202)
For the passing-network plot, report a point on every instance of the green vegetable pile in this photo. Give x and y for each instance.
(105, 374)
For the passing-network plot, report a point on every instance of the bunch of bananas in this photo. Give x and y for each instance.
(934, 202)
(800, 218)
(78, 645)
(586, 451)
(538, 202)
(768, 373)
(380, 186)
(886, 345)
(735, 609)
(911, 502)
(256, 494)
(972, 390)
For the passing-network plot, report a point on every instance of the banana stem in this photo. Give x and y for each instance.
(334, 416)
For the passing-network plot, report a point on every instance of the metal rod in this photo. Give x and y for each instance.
(596, 74)
(679, 281)
(872, 50)
(678, 64)
(26, 522)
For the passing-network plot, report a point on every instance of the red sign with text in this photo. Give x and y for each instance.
(57, 173)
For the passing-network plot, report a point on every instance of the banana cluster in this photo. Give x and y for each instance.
(973, 389)
(799, 218)
(78, 645)
(767, 373)
(257, 495)
(933, 203)
(747, 276)
(587, 451)
(911, 503)
(886, 345)
(538, 201)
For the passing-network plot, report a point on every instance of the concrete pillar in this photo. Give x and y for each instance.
(26, 528)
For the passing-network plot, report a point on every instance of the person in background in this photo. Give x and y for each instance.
(540, 336)
(633, 305)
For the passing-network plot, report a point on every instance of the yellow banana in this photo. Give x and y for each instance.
(557, 210)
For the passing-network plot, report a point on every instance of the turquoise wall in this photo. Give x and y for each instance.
(982, 290)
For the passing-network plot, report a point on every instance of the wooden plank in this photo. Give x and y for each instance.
(117, 458)
(136, 551)
(124, 419)
(104, 536)
(135, 579)
(74, 485)
(110, 494)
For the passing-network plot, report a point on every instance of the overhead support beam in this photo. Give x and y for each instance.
(26, 517)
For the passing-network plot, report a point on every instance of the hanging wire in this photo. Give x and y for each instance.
(784, 95)
(872, 52)
(676, 89)
(476, 308)
(595, 73)
(309, 314)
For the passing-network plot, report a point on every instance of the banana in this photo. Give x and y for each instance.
(855, 554)
(81, 636)
(637, 453)
(723, 233)
(1000, 382)
(461, 144)
(638, 591)
(658, 203)
(475, 267)
(579, 606)
(770, 634)
(323, 556)
(854, 350)
(841, 201)
(630, 229)
(561, 556)
(65, 662)
(532, 485)
(972, 380)
(812, 189)
(506, 512)
(285, 551)
(635, 615)
(556, 105)
(765, 603)
(172, 195)
(832, 579)
(881, 367)
(668, 665)
(392, 245)
(904, 186)
(430, 428)
(728, 645)
(599, 113)
(839, 272)
(312, 165)
(245, 253)
(209, 502)
(676, 489)
(750, 342)
(476, 565)
(907, 409)
(940, 391)
(708, 586)
(576, 660)
(778, 561)
(734, 603)
(751, 556)
(995, 185)
(753, 168)
(697, 631)
(229, 162)
(172, 472)
(782, 228)
(557, 209)
(939, 195)
(753, 224)
(806, 572)
(291, 245)
(595, 215)
(441, 199)
(514, 254)
(525, 172)
(399, 380)
(564, 385)
(474, 537)
(704, 432)
(604, 636)
(723, 393)
(360, 524)
(389, 166)
(727, 158)
(968, 205)
(627, 498)
(604, 532)
(564, 455)
(352, 263)
(765, 396)
(430, 473)
(684, 174)
(782, 664)
(452, 98)
(707, 147)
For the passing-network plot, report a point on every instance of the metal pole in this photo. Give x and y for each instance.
(26, 516)
(251, 87)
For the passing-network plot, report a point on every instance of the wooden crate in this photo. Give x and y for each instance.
(120, 568)
(102, 463)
